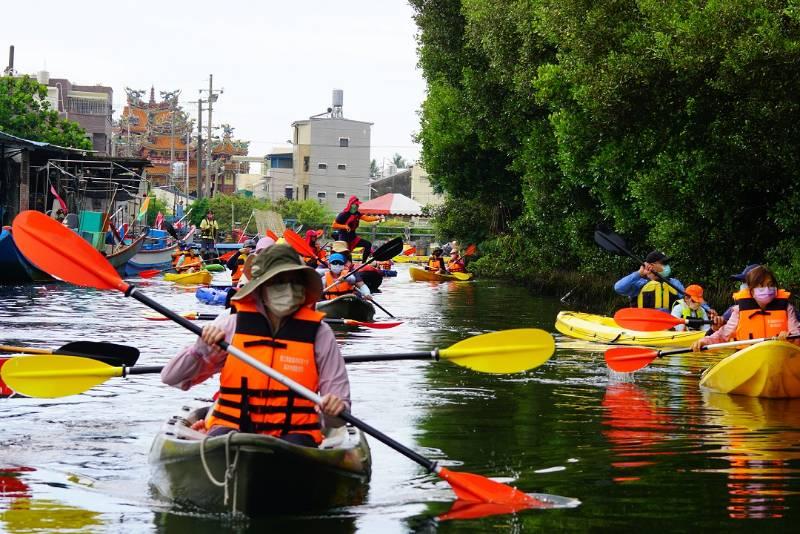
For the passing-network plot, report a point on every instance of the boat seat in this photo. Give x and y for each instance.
(334, 437)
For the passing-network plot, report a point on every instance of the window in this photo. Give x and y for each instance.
(322, 195)
(344, 142)
(288, 192)
(305, 163)
(341, 167)
(322, 166)
(339, 194)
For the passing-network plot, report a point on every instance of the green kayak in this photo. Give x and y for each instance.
(270, 475)
(214, 267)
(347, 307)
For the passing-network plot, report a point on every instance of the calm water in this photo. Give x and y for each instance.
(651, 451)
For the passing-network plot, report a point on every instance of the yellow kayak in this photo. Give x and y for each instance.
(196, 278)
(602, 329)
(415, 259)
(423, 275)
(770, 369)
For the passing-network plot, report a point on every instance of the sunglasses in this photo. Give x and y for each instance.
(337, 263)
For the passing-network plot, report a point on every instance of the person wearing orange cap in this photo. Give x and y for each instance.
(691, 307)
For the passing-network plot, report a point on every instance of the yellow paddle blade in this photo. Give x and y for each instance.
(462, 276)
(506, 351)
(50, 376)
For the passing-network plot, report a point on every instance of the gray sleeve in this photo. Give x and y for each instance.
(330, 365)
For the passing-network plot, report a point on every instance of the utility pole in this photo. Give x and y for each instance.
(212, 97)
(199, 148)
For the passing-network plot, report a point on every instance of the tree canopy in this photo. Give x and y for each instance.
(25, 112)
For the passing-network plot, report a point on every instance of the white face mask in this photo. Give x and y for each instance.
(336, 269)
(284, 299)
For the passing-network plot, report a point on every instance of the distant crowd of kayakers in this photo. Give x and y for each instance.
(760, 307)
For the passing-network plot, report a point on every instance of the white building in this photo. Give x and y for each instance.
(330, 158)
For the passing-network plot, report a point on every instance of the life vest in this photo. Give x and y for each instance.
(208, 229)
(191, 262)
(385, 265)
(655, 294)
(342, 288)
(249, 400)
(688, 313)
(237, 273)
(455, 266)
(435, 264)
(755, 322)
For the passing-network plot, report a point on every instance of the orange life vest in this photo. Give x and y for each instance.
(342, 288)
(435, 264)
(455, 266)
(249, 400)
(239, 268)
(191, 262)
(755, 322)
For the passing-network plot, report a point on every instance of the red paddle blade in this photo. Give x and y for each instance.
(150, 273)
(475, 488)
(228, 255)
(475, 510)
(410, 252)
(472, 249)
(298, 243)
(383, 325)
(629, 359)
(272, 235)
(62, 253)
(645, 320)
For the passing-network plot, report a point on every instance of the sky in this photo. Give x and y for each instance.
(277, 62)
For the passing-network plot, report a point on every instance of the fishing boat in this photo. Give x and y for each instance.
(14, 267)
(267, 474)
(770, 369)
(423, 275)
(121, 257)
(197, 278)
(347, 307)
(601, 329)
(156, 253)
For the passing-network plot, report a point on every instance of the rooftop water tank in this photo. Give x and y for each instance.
(338, 98)
(43, 77)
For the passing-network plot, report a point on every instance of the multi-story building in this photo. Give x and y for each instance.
(330, 158)
(88, 105)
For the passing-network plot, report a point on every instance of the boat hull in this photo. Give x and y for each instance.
(423, 275)
(197, 278)
(14, 267)
(160, 258)
(271, 475)
(769, 370)
(347, 307)
(602, 329)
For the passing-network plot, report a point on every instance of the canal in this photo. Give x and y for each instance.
(651, 450)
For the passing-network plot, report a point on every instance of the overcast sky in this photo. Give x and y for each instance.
(277, 61)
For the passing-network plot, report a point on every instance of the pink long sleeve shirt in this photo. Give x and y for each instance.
(729, 329)
(198, 361)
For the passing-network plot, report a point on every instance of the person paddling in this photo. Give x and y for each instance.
(760, 310)
(311, 240)
(456, 263)
(342, 281)
(237, 261)
(436, 262)
(191, 263)
(645, 289)
(275, 322)
(691, 307)
(346, 223)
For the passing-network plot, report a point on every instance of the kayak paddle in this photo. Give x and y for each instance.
(650, 320)
(197, 316)
(463, 277)
(630, 359)
(385, 252)
(410, 251)
(506, 351)
(471, 249)
(614, 243)
(110, 353)
(62, 253)
(299, 244)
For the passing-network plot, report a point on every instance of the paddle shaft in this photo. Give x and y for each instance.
(641, 262)
(285, 380)
(422, 355)
(722, 345)
(383, 309)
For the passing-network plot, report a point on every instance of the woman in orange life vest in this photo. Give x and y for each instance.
(311, 241)
(759, 310)
(436, 262)
(345, 283)
(346, 223)
(456, 263)
(191, 263)
(273, 320)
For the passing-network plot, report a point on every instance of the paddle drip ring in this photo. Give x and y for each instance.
(230, 469)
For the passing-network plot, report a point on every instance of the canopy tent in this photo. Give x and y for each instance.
(391, 204)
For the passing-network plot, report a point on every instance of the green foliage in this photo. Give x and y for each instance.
(675, 123)
(25, 112)
(153, 207)
(309, 213)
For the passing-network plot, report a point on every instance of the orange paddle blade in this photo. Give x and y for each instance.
(62, 253)
(645, 320)
(475, 510)
(471, 249)
(228, 255)
(383, 325)
(629, 359)
(150, 273)
(475, 488)
(410, 252)
(272, 235)
(298, 243)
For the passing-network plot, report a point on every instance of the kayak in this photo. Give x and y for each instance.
(770, 369)
(199, 277)
(602, 329)
(210, 295)
(422, 275)
(372, 277)
(269, 475)
(347, 307)
(214, 267)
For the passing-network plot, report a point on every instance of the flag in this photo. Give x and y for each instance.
(159, 220)
(123, 231)
(143, 209)
(60, 200)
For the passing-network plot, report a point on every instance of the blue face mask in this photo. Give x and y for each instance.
(666, 271)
